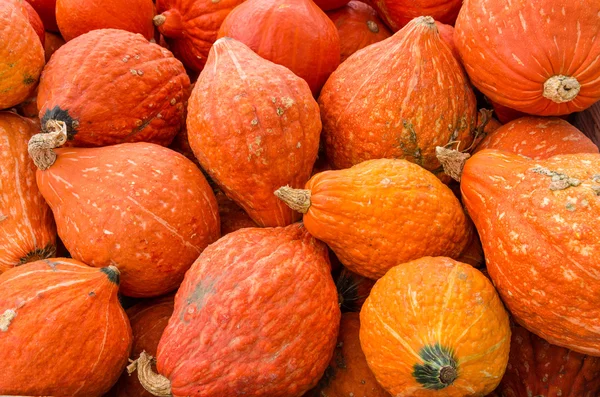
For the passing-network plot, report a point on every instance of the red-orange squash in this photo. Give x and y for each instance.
(535, 220)
(557, 74)
(294, 33)
(110, 86)
(52, 42)
(353, 289)
(46, 9)
(263, 304)
(190, 27)
(397, 13)
(76, 17)
(447, 35)
(27, 230)
(358, 26)
(414, 98)
(254, 126)
(141, 207)
(35, 21)
(232, 216)
(63, 321)
(21, 55)
(380, 213)
(327, 5)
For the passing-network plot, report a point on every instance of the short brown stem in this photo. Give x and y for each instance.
(452, 161)
(41, 145)
(155, 383)
(448, 375)
(296, 199)
(373, 27)
(159, 20)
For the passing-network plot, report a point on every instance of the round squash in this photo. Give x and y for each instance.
(397, 13)
(366, 115)
(367, 214)
(52, 42)
(305, 40)
(62, 321)
(353, 290)
(254, 126)
(46, 9)
(358, 26)
(447, 35)
(76, 17)
(27, 230)
(146, 104)
(435, 327)
(35, 21)
(557, 73)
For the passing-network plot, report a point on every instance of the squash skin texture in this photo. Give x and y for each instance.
(46, 9)
(27, 229)
(141, 207)
(398, 13)
(78, 87)
(35, 21)
(264, 302)
(55, 299)
(433, 301)
(539, 244)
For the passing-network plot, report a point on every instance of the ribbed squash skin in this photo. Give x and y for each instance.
(27, 230)
(541, 245)
(67, 327)
(254, 126)
(46, 9)
(141, 207)
(493, 32)
(263, 302)
(78, 87)
(428, 313)
(397, 13)
(416, 97)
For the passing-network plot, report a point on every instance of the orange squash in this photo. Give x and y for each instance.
(254, 126)
(447, 35)
(46, 9)
(397, 13)
(27, 230)
(35, 21)
(435, 327)
(52, 42)
(78, 87)
(367, 214)
(62, 321)
(415, 68)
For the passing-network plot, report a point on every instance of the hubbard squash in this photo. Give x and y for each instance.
(46, 9)
(380, 213)
(141, 207)
(62, 321)
(589, 123)
(397, 13)
(27, 230)
(435, 327)
(447, 35)
(557, 73)
(52, 42)
(254, 126)
(78, 88)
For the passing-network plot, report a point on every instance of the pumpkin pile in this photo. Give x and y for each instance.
(286, 198)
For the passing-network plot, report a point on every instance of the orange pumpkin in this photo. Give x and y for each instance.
(415, 68)
(46, 9)
(63, 321)
(366, 214)
(435, 327)
(52, 42)
(232, 216)
(27, 230)
(254, 126)
(397, 13)
(78, 87)
(557, 74)
(447, 35)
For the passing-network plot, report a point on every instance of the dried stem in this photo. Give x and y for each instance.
(155, 383)
(296, 199)
(560, 89)
(41, 145)
(452, 161)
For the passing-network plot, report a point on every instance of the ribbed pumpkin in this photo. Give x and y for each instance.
(62, 321)
(190, 27)
(146, 104)
(254, 126)
(46, 9)
(559, 73)
(21, 55)
(35, 21)
(27, 230)
(367, 115)
(76, 17)
(327, 5)
(141, 207)
(232, 216)
(52, 42)
(533, 217)
(358, 26)
(294, 33)
(263, 303)
(353, 289)
(397, 13)
(447, 34)
(435, 327)
(380, 213)
(538, 138)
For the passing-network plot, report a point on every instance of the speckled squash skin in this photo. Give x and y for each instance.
(397, 13)
(518, 76)
(46, 9)
(367, 115)
(254, 126)
(21, 55)
(538, 138)
(190, 27)
(141, 207)
(541, 249)
(263, 302)
(432, 318)
(78, 87)
(27, 230)
(358, 26)
(294, 33)
(232, 216)
(537, 368)
(43, 306)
